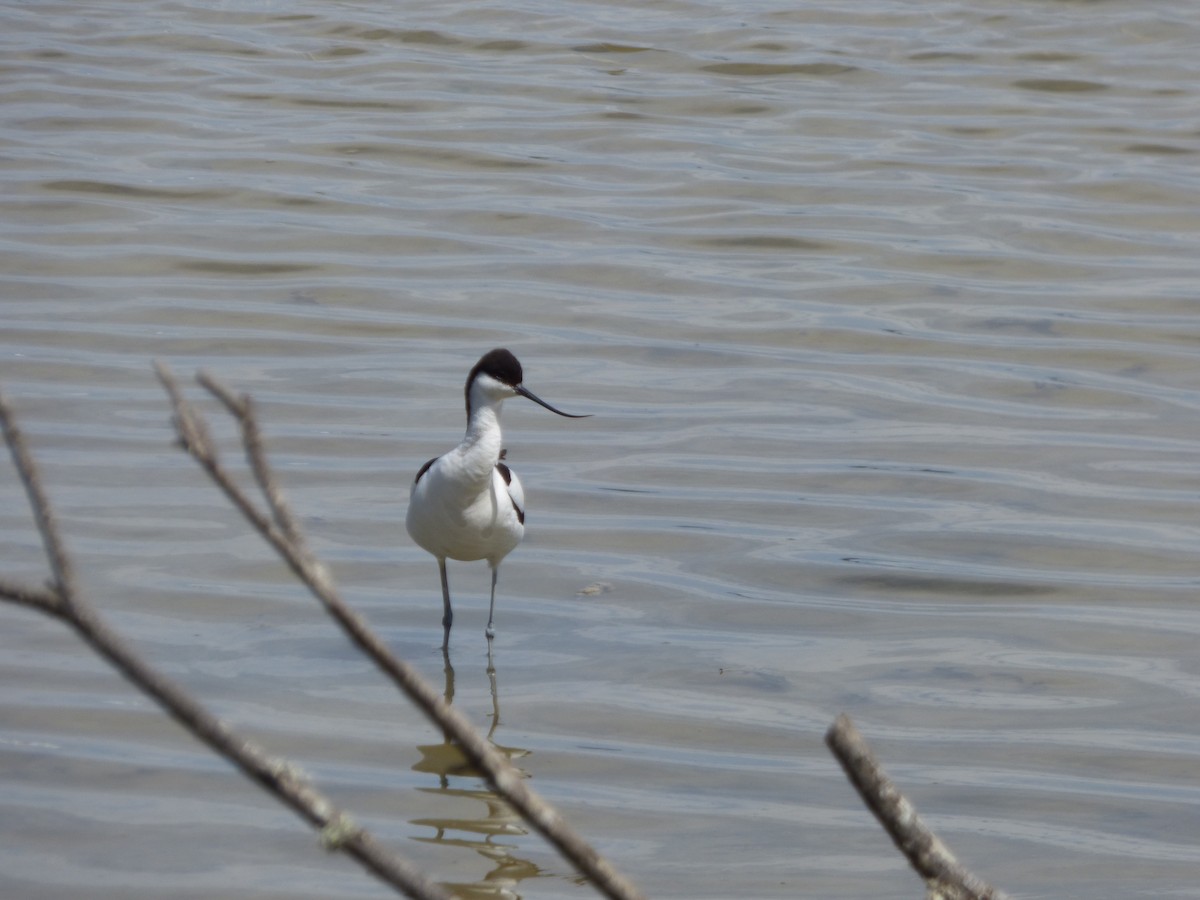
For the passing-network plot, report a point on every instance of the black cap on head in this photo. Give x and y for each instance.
(501, 365)
(498, 363)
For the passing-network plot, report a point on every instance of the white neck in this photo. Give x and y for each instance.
(480, 447)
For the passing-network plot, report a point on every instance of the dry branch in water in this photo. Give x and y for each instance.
(945, 877)
(60, 599)
(281, 530)
(283, 533)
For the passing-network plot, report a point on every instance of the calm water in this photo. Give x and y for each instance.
(888, 316)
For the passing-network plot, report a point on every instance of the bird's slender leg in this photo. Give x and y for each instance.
(448, 693)
(491, 674)
(491, 632)
(448, 672)
(448, 614)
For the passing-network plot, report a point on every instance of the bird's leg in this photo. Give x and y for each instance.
(448, 614)
(491, 632)
(491, 674)
(448, 671)
(448, 693)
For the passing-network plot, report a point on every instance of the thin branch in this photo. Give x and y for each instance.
(43, 601)
(945, 877)
(39, 505)
(242, 410)
(288, 783)
(499, 773)
(194, 439)
(193, 433)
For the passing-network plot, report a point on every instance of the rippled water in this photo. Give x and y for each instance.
(887, 314)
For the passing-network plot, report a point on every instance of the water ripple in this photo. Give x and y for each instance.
(886, 317)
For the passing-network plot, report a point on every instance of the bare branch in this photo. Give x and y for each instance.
(945, 877)
(242, 409)
(499, 773)
(44, 601)
(43, 515)
(193, 433)
(234, 404)
(287, 782)
(274, 774)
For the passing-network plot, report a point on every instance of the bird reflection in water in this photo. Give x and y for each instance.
(484, 833)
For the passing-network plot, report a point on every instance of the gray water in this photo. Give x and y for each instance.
(888, 318)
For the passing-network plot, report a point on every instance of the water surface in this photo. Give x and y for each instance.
(887, 318)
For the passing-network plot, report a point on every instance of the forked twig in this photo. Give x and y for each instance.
(945, 877)
(242, 409)
(284, 534)
(286, 782)
(61, 586)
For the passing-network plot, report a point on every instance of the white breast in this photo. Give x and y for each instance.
(454, 517)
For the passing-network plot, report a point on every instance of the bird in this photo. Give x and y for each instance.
(467, 504)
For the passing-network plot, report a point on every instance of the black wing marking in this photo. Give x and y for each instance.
(425, 468)
(506, 474)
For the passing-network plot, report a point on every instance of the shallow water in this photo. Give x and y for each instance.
(887, 317)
